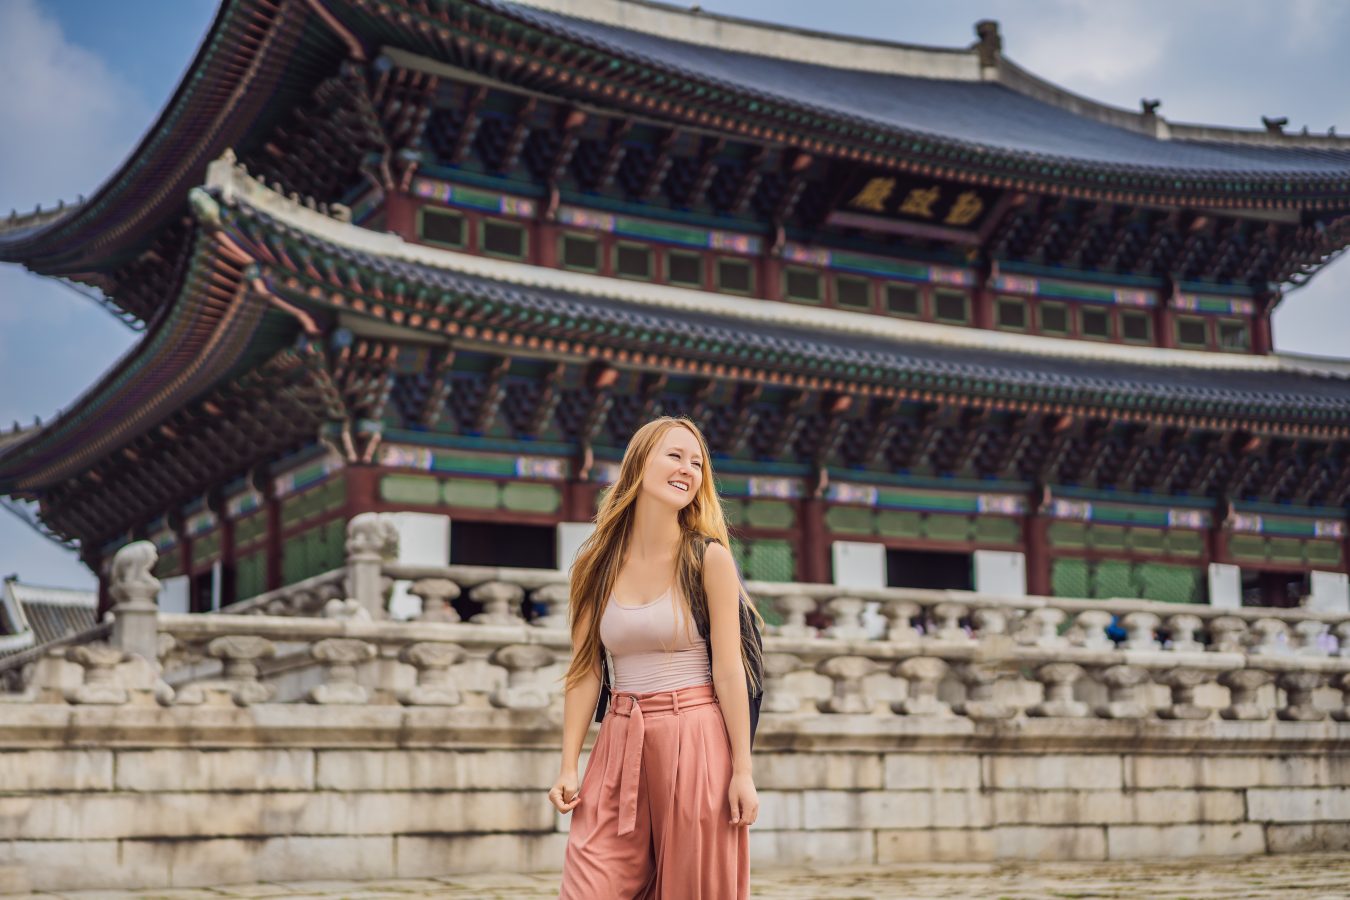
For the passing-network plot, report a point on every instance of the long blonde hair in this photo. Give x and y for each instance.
(601, 555)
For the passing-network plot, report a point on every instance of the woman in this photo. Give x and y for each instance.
(668, 793)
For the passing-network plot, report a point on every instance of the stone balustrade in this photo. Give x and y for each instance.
(310, 730)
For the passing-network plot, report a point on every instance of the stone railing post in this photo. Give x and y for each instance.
(948, 623)
(1183, 681)
(795, 608)
(847, 614)
(1059, 679)
(556, 598)
(923, 674)
(1298, 689)
(433, 662)
(101, 684)
(522, 689)
(1092, 625)
(1040, 628)
(1342, 632)
(1227, 634)
(898, 615)
(1122, 690)
(239, 682)
(1184, 628)
(980, 680)
(1243, 685)
(371, 540)
(340, 657)
(778, 697)
(847, 673)
(1342, 683)
(1308, 638)
(1271, 638)
(501, 603)
(436, 595)
(1139, 628)
(135, 593)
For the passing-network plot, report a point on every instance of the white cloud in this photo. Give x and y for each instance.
(66, 119)
(66, 122)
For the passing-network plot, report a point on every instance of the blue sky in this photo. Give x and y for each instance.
(85, 78)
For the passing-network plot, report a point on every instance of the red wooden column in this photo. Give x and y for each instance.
(1163, 316)
(400, 215)
(813, 559)
(982, 299)
(1263, 340)
(273, 507)
(1036, 543)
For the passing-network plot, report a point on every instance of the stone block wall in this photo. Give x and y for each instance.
(147, 796)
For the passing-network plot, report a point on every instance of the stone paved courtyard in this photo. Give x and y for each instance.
(1304, 876)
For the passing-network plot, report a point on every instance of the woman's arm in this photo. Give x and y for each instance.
(578, 708)
(723, 587)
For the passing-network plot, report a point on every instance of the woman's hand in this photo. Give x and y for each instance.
(744, 800)
(564, 795)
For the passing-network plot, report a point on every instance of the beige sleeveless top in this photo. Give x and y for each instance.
(649, 648)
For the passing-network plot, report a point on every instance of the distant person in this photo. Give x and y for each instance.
(668, 794)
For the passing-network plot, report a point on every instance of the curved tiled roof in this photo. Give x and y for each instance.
(1222, 389)
(979, 114)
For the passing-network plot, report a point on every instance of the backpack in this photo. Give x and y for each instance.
(751, 639)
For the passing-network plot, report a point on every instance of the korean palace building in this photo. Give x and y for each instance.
(945, 324)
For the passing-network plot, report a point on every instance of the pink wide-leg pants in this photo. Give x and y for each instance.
(654, 822)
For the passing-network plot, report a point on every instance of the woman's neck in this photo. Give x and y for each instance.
(655, 535)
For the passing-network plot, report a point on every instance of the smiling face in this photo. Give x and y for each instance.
(674, 470)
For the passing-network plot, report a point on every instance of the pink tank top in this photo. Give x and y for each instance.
(649, 648)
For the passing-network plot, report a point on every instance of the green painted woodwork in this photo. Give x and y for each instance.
(734, 512)
(313, 552)
(250, 528)
(1106, 537)
(326, 497)
(1326, 553)
(470, 492)
(769, 560)
(1068, 534)
(849, 519)
(1185, 543)
(1111, 578)
(1103, 579)
(899, 523)
(1169, 584)
(769, 514)
(997, 530)
(206, 548)
(170, 562)
(250, 575)
(947, 528)
(1285, 549)
(1069, 577)
(1146, 540)
(420, 490)
(1247, 546)
(530, 497)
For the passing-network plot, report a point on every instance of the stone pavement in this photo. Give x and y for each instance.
(1325, 875)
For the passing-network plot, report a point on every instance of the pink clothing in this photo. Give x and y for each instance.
(654, 818)
(650, 648)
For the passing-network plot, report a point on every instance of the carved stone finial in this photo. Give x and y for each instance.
(1149, 107)
(1275, 126)
(372, 534)
(133, 583)
(990, 45)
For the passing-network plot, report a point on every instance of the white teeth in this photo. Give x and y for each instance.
(676, 484)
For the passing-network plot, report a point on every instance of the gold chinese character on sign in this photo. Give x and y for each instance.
(920, 202)
(965, 209)
(874, 194)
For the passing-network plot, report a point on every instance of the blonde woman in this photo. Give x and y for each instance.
(668, 793)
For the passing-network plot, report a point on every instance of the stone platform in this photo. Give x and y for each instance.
(1302, 876)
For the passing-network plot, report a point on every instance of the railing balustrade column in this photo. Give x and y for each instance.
(340, 656)
(847, 614)
(1308, 638)
(923, 675)
(432, 661)
(1244, 685)
(1092, 625)
(1139, 630)
(522, 689)
(778, 697)
(1271, 638)
(981, 681)
(1059, 679)
(555, 598)
(1183, 681)
(847, 673)
(1228, 634)
(1184, 628)
(899, 614)
(501, 603)
(1298, 688)
(794, 609)
(436, 594)
(1122, 690)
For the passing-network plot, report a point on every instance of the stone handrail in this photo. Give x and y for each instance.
(875, 652)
